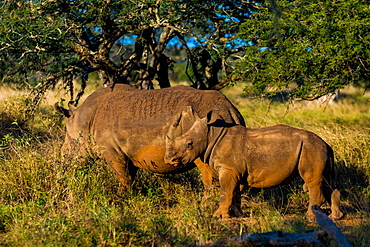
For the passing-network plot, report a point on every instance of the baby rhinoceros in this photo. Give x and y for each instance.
(259, 158)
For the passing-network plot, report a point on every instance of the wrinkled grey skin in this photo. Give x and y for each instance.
(259, 158)
(127, 127)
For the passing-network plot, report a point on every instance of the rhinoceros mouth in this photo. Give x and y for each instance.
(181, 163)
(175, 164)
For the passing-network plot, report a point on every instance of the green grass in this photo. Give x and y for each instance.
(47, 200)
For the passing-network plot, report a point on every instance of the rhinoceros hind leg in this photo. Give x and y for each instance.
(316, 196)
(333, 198)
(336, 213)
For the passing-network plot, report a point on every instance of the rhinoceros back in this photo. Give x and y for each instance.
(154, 108)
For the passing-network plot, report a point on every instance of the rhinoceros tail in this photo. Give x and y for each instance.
(331, 167)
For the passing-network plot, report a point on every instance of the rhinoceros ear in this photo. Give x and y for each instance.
(213, 116)
(72, 106)
(60, 109)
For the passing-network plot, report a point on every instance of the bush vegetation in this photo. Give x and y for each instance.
(49, 200)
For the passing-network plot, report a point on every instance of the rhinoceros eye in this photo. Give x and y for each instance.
(189, 144)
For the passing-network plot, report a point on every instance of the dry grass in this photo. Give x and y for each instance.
(46, 200)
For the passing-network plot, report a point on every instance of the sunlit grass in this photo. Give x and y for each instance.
(47, 200)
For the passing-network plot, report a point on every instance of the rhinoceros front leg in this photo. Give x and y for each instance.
(122, 167)
(207, 173)
(125, 172)
(229, 181)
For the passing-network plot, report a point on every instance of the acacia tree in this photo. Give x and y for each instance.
(308, 48)
(44, 42)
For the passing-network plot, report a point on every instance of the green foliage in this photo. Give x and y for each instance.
(309, 48)
(30, 41)
(44, 42)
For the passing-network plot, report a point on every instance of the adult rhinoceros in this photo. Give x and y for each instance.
(260, 158)
(127, 127)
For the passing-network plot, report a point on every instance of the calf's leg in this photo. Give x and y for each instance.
(319, 191)
(207, 173)
(336, 213)
(333, 198)
(229, 181)
(316, 196)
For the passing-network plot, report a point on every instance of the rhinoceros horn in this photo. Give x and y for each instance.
(182, 122)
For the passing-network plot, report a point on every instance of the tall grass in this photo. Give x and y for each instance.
(48, 200)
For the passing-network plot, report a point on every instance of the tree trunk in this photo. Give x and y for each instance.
(163, 68)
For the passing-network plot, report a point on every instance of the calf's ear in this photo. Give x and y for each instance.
(213, 116)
